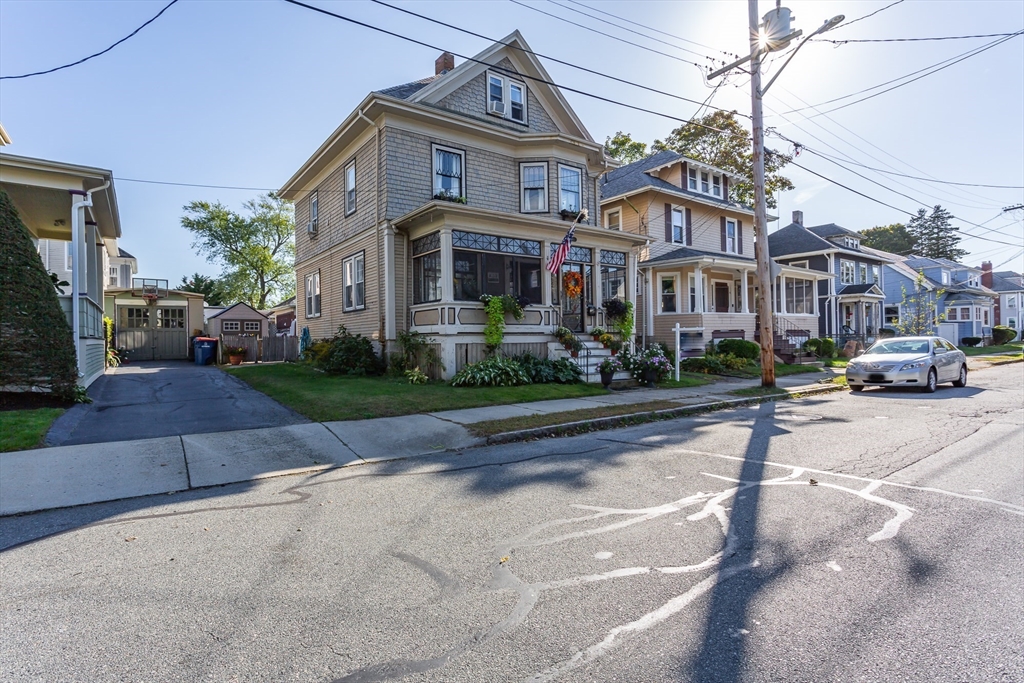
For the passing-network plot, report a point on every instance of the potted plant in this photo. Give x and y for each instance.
(574, 346)
(606, 340)
(597, 332)
(572, 214)
(235, 354)
(449, 196)
(563, 335)
(609, 366)
(615, 345)
(651, 366)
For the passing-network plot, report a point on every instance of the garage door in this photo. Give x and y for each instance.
(152, 332)
(948, 331)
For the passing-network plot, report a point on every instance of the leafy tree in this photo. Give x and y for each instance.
(624, 148)
(730, 150)
(917, 310)
(210, 287)
(893, 238)
(935, 236)
(255, 250)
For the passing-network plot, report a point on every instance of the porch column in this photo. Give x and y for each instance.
(650, 303)
(782, 294)
(447, 267)
(698, 289)
(743, 292)
(546, 293)
(390, 326)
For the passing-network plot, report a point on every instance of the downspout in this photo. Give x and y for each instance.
(382, 277)
(76, 265)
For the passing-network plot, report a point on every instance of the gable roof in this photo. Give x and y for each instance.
(899, 264)
(833, 230)
(407, 90)
(233, 306)
(636, 177)
(690, 252)
(795, 239)
(121, 253)
(863, 288)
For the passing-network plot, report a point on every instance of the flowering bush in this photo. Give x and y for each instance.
(652, 360)
(611, 365)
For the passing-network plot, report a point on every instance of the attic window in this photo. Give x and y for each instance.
(851, 243)
(517, 100)
(716, 185)
(496, 95)
(704, 182)
(692, 178)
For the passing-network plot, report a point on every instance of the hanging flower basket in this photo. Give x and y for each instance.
(572, 284)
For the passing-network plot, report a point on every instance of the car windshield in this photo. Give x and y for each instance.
(919, 346)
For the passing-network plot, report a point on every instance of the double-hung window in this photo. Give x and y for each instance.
(945, 277)
(495, 94)
(704, 182)
(863, 268)
(668, 294)
(951, 314)
(570, 188)
(677, 226)
(613, 219)
(517, 102)
(691, 175)
(354, 274)
(350, 188)
(426, 269)
(448, 173)
(314, 210)
(846, 272)
(716, 185)
(876, 274)
(313, 295)
(730, 236)
(112, 276)
(534, 178)
(984, 316)
(965, 313)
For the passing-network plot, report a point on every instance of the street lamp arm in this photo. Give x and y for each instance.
(828, 25)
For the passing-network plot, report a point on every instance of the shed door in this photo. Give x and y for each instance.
(133, 332)
(152, 332)
(170, 338)
(948, 331)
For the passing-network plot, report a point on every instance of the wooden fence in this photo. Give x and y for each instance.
(262, 349)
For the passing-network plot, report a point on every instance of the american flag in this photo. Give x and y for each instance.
(562, 252)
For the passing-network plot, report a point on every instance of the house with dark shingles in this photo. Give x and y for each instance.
(1009, 287)
(852, 297)
(433, 193)
(695, 233)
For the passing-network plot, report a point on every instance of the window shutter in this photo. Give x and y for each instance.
(725, 188)
(668, 222)
(739, 237)
(689, 229)
(685, 174)
(723, 232)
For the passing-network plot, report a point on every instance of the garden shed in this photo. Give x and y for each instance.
(152, 322)
(238, 319)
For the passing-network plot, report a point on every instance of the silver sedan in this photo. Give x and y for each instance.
(921, 362)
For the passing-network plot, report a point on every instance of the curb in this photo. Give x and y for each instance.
(602, 423)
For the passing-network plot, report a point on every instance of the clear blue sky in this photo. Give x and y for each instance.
(241, 93)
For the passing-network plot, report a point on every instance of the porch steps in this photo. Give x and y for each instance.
(589, 364)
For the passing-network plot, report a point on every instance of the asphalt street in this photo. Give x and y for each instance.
(847, 537)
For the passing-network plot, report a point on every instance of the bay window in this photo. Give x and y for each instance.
(570, 188)
(426, 269)
(448, 173)
(534, 180)
(488, 264)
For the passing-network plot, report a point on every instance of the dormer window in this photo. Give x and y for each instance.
(972, 281)
(945, 277)
(704, 182)
(851, 243)
(692, 178)
(506, 98)
(716, 185)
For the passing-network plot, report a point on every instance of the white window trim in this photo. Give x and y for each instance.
(675, 285)
(682, 224)
(691, 179)
(433, 168)
(231, 326)
(349, 266)
(799, 264)
(311, 280)
(735, 236)
(705, 179)
(862, 273)
(608, 219)
(522, 87)
(704, 293)
(732, 291)
(945, 277)
(69, 261)
(352, 165)
(853, 272)
(522, 188)
(716, 185)
(252, 326)
(579, 173)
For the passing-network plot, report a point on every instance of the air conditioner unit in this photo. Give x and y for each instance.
(496, 107)
(311, 227)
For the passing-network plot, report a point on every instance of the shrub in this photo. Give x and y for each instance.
(415, 376)
(497, 307)
(827, 348)
(665, 351)
(1002, 334)
(970, 341)
(812, 346)
(652, 360)
(415, 349)
(545, 371)
(721, 364)
(344, 354)
(494, 371)
(740, 348)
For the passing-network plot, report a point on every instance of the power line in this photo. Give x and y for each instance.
(931, 180)
(212, 187)
(551, 59)
(509, 72)
(1012, 258)
(960, 58)
(609, 35)
(92, 56)
(869, 15)
(651, 28)
(908, 40)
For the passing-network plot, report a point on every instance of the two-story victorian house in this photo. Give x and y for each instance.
(694, 233)
(433, 193)
(851, 298)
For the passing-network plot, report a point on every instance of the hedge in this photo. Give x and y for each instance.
(37, 349)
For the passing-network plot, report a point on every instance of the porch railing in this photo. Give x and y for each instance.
(90, 316)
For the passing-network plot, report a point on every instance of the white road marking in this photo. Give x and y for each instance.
(833, 565)
(1016, 512)
(977, 491)
(670, 477)
(603, 555)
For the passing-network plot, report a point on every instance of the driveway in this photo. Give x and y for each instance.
(167, 398)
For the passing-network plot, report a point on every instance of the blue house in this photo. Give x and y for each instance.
(963, 307)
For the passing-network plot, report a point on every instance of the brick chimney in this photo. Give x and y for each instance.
(986, 273)
(798, 217)
(444, 63)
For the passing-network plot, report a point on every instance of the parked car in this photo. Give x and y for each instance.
(921, 362)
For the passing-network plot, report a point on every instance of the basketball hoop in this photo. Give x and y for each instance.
(150, 298)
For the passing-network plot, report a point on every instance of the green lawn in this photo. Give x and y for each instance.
(759, 391)
(836, 362)
(989, 350)
(322, 397)
(686, 380)
(21, 429)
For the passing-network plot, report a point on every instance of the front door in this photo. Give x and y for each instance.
(869, 318)
(721, 297)
(573, 278)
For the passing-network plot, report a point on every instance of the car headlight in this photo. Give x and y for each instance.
(914, 366)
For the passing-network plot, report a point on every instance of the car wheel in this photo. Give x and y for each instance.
(856, 387)
(933, 382)
(962, 381)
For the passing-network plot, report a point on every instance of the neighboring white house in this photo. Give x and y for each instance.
(1010, 304)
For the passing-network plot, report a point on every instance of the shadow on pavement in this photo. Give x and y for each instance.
(943, 392)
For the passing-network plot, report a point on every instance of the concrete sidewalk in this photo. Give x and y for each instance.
(66, 476)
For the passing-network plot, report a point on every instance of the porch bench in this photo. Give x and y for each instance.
(728, 334)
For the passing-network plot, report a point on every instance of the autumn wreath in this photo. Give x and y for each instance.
(572, 283)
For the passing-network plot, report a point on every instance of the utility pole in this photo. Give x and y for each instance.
(764, 277)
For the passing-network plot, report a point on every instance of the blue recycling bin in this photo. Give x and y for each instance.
(205, 349)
